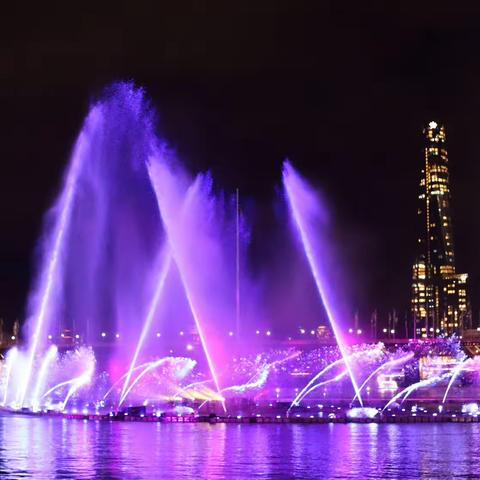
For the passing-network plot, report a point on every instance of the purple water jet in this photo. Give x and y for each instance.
(175, 206)
(147, 323)
(305, 211)
(101, 240)
(43, 300)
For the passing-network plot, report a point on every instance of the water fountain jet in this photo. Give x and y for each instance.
(164, 185)
(297, 190)
(51, 269)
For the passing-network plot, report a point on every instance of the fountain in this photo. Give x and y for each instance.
(135, 308)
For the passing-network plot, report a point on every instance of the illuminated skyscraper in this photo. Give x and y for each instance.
(439, 294)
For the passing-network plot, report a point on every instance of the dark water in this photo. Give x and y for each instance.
(56, 448)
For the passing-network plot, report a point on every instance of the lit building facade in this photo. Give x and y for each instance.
(439, 294)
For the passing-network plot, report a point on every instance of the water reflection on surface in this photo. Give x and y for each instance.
(56, 448)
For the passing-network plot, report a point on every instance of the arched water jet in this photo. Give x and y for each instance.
(410, 389)
(260, 377)
(318, 385)
(389, 364)
(57, 386)
(179, 392)
(77, 383)
(189, 364)
(456, 371)
(138, 367)
(322, 372)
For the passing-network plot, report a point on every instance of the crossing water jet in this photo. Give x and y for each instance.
(186, 365)
(172, 206)
(165, 268)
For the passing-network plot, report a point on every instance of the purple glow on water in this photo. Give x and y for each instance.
(305, 208)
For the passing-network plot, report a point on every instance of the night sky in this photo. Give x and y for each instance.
(341, 91)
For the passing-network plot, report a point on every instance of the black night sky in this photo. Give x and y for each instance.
(342, 91)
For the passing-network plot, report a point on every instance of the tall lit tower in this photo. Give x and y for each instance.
(439, 294)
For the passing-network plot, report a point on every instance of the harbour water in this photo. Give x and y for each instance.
(59, 448)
